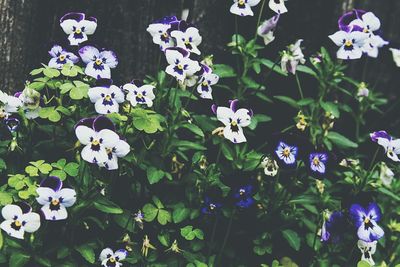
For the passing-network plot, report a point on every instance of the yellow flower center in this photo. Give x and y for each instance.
(348, 43)
(62, 57)
(233, 123)
(112, 259)
(55, 202)
(205, 83)
(98, 61)
(180, 66)
(17, 223)
(286, 152)
(95, 142)
(365, 30)
(108, 97)
(78, 31)
(241, 2)
(140, 95)
(316, 161)
(366, 220)
(165, 34)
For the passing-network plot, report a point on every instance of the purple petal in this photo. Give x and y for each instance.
(104, 83)
(348, 17)
(180, 50)
(102, 122)
(380, 134)
(25, 207)
(374, 208)
(74, 16)
(233, 104)
(355, 213)
(214, 108)
(88, 122)
(137, 82)
(52, 182)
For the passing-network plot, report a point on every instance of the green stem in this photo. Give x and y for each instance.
(226, 237)
(299, 86)
(212, 237)
(259, 17)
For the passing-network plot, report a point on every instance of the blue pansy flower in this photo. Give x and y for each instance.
(243, 196)
(366, 221)
(211, 206)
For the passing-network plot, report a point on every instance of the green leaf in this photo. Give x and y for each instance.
(154, 175)
(163, 217)
(5, 198)
(19, 259)
(293, 238)
(305, 69)
(389, 193)
(59, 173)
(199, 234)
(194, 129)
(45, 168)
(224, 71)
(363, 264)
(72, 169)
(341, 140)
(150, 212)
(51, 73)
(145, 121)
(3, 165)
(287, 100)
(331, 108)
(180, 214)
(107, 206)
(273, 66)
(87, 253)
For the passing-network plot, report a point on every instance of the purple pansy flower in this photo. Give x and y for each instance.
(318, 162)
(207, 79)
(391, 146)
(180, 65)
(106, 96)
(366, 221)
(243, 196)
(267, 28)
(60, 57)
(78, 27)
(55, 199)
(278, 6)
(98, 63)
(19, 219)
(109, 258)
(102, 145)
(234, 120)
(159, 30)
(210, 206)
(139, 93)
(243, 7)
(332, 226)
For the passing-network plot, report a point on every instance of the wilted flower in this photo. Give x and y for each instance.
(160, 31)
(174, 247)
(328, 121)
(139, 93)
(292, 57)
(396, 56)
(349, 162)
(243, 196)
(180, 65)
(278, 6)
(19, 219)
(8, 104)
(301, 121)
(350, 43)
(78, 27)
(206, 80)
(391, 146)
(366, 221)
(138, 217)
(270, 166)
(60, 57)
(386, 174)
(55, 199)
(146, 246)
(267, 28)
(332, 227)
(367, 250)
(320, 186)
(98, 64)
(233, 119)
(110, 259)
(243, 7)
(362, 91)
(188, 39)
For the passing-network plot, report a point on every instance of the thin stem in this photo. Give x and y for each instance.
(212, 236)
(228, 232)
(259, 17)
(299, 86)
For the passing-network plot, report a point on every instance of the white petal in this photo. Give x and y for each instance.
(356, 53)
(121, 149)
(95, 93)
(104, 73)
(93, 156)
(172, 56)
(339, 37)
(89, 53)
(105, 254)
(245, 11)
(88, 26)
(109, 58)
(234, 137)
(76, 41)
(253, 2)
(119, 96)
(45, 194)
(372, 21)
(67, 197)
(109, 138)
(225, 115)
(396, 56)
(32, 222)
(68, 25)
(10, 211)
(278, 8)
(121, 254)
(108, 108)
(6, 226)
(84, 133)
(54, 215)
(242, 117)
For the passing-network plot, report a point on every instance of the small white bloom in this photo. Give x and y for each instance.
(106, 98)
(363, 91)
(396, 56)
(160, 31)
(350, 43)
(55, 200)
(278, 6)
(17, 221)
(139, 93)
(234, 121)
(270, 166)
(120, 150)
(206, 80)
(98, 64)
(188, 40)
(243, 7)
(60, 56)
(110, 259)
(180, 66)
(8, 104)
(78, 27)
(367, 250)
(292, 57)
